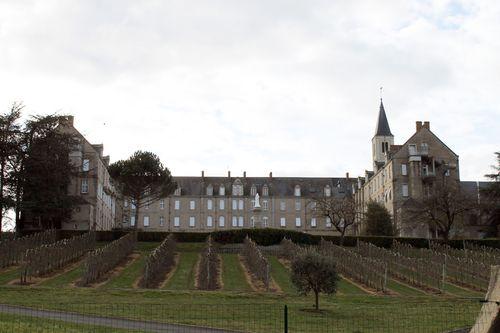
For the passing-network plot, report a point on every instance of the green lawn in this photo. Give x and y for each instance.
(233, 276)
(347, 288)
(129, 275)
(461, 292)
(25, 324)
(281, 275)
(403, 289)
(65, 279)
(184, 274)
(9, 274)
(257, 312)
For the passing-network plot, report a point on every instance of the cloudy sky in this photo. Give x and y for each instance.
(278, 85)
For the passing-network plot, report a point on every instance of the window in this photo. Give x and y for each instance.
(222, 190)
(210, 190)
(146, 221)
(162, 204)
(125, 203)
(328, 191)
(221, 221)
(265, 191)
(125, 219)
(177, 221)
(253, 190)
(192, 221)
(265, 220)
(86, 165)
(296, 192)
(235, 221)
(209, 204)
(425, 170)
(283, 222)
(235, 204)
(240, 204)
(177, 191)
(240, 221)
(192, 205)
(221, 204)
(297, 205)
(405, 190)
(404, 171)
(313, 222)
(146, 206)
(209, 221)
(297, 222)
(85, 186)
(412, 149)
(162, 221)
(177, 205)
(265, 204)
(282, 205)
(328, 222)
(132, 204)
(447, 173)
(237, 188)
(132, 221)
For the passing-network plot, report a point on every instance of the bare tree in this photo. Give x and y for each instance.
(340, 211)
(443, 208)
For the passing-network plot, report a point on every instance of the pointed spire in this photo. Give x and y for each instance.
(383, 128)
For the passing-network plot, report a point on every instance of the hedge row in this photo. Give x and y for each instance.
(267, 237)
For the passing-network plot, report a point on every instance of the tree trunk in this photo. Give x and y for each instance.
(137, 203)
(341, 240)
(316, 296)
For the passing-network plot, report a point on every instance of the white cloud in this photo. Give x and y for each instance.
(287, 86)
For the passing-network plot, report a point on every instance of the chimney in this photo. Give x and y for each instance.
(105, 159)
(427, 125)
(347, 175)
(66, 120)
(202, 174)
(229, 174)
(244, 174)
(419, 125)
(271, 174)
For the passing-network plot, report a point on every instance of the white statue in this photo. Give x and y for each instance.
(257, 203)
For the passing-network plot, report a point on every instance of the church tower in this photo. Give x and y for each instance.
(382, 140)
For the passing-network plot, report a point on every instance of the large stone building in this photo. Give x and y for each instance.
(101, 202)
(222, 203)
(409, 171)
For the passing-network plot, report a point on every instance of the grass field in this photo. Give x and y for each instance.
(236, 306)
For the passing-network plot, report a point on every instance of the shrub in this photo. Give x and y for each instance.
(13, 251)
(256, 261)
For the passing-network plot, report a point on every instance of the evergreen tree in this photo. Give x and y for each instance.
(378, 220)
(143, 179)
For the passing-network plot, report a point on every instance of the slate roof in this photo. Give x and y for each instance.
(383, 128)
(278, 186)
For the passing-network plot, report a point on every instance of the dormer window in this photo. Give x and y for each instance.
(177, 191)
(237, 188)
(328, 191)
(210, 190)
(265, 191)
(253, 191)
(296, 191)
(222, 190)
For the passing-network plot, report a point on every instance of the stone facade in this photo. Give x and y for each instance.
(93, 184)
(406, 172)
(222, 203)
